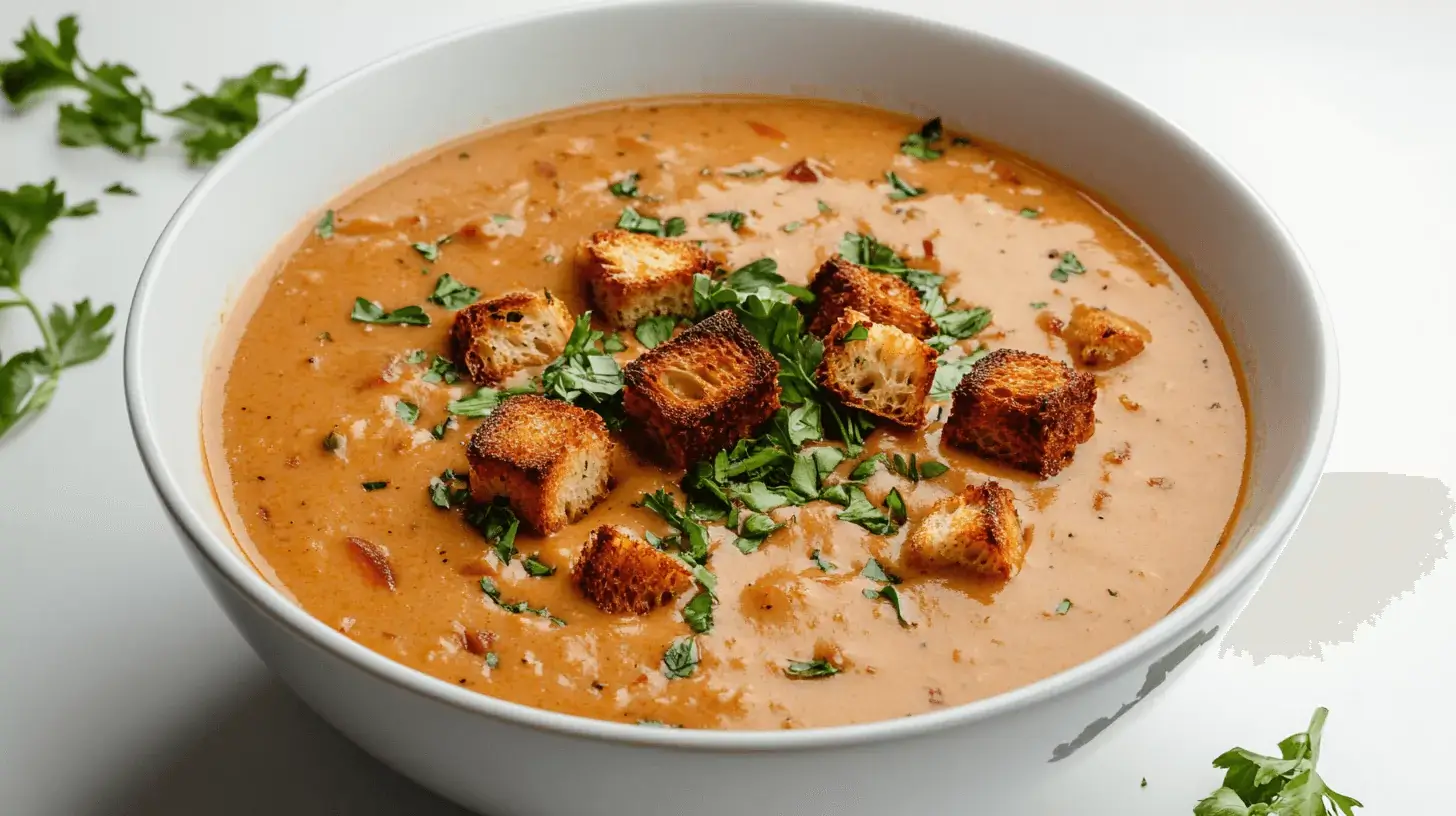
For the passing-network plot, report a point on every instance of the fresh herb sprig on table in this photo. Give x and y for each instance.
(115, 103)
(1286, 785)
(69, 337)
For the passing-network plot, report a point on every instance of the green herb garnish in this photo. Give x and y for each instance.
(633, 221)
(1287, 785)
(119, 189)
(366, 311)
(449, 489)
(1064, 607)
(586, 375)
(536, 568)
(733, 218)
(860, 511)
(370, 487)
(452, 294)
(889, 593)
(874, 572)
(900, 189)
(626, 188)
(895, 503)
(699, 613)
(430, 250)
(857, 332)
(519, 607)
(819, 561)
(484, 401)
(654, 331)
(407, 412)
(921, 145)
(1028, 212)
(949, 373)
(681, 658)
(1066, 267)
(806, 669)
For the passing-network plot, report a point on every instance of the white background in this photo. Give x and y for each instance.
(124, 690)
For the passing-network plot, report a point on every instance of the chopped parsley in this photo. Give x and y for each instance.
(325, 226)
(819, 561)
(1028, 212)
(860, 511)
(733, 218)
(824, 208)
(806, 669)
(492, 660)
(586, 376)
(430, 250)
(699, 613)
(1038, 304)
(441, 371)
(449, 489)
(536, 568)
(857, 332)
(120, 189)
(452, 294)
(681, 658)
(484, 401)
(921, 144)
(1067, 266)
(519, 607)
(366, 311)
(954, 324)
(792, 226)
(497, 524)
(756, 527)
(949, 373)
(889, 593)
(613, 343)
(654, 331)
(370, 487)
(1064, 607)
(416, 356)
(874, 572)
(900, 189)
(633, 221)
(895, 503)
(627, 187)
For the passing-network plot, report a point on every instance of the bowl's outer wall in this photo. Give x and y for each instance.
(496, 755)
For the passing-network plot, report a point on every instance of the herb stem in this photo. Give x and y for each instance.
(53, 349)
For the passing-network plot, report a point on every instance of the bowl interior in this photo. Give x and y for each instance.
(284, 174)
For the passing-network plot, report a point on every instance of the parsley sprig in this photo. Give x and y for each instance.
(113, 107)
(1287, 785)
(953, 323)
(586, 374)
(69, 336)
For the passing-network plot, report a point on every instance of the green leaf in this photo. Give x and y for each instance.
(497, 524)
(26, 216)
(1028, 212)
(492, 660)
(483, 401)
(78, 333)
(454, 295)
(866, 468)
(758, 496)
(681, 658)
(673, 227)
(488, 586)
(807, 669)
(17, 378)
(860, 511)
(901, 189)
(325, 226)
(44, 64)
(441, 370)
(733, 218)
(633, 221)
(407, 412)
(213, 123)
(1039, 304)
(118, 188)
(430, 250)
(932, 469)
(921, 145)
(820, 562)
(826, 459)
(627, 187)
(949, 373)
(858, 248)
(112, 115)
(369, 312)
(1222, 802)
(536, 568)
(654, 331)
(874, 572)
(1064, 607)
(804, 478)
(964, 323)
(585, 375)
(613, 343)
(699, 613)
(370, 487)
(1066, 267)
(448, 490)
(889, 593)
(895, 503)
(857, 332)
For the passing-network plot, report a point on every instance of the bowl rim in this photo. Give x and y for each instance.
(247, 582)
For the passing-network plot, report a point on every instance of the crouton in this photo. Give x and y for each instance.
(623, 574)
(1098, 338)
(634, 276)
(887, 373)
(496, 338)
(840, 285)
(701, 391)
(552, 461)
(976, 530)
(1023, 410)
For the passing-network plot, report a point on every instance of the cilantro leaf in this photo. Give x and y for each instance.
(860, 511)
(633, 221)
(807, 669)
(213, 123)
(1067, 266)
(452, 294)
(733, 218)
(681, 658)
(43, 64)
(430, 250)
(921, 145)
(26, 215)
(369, 312)
(407, 412)
(901, 189)
(699, 613)
(654, 331)
(627, 187)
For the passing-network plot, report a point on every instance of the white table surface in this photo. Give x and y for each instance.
(124, 690)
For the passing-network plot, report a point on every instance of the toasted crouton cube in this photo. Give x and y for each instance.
(623, 574)
(840, 285)
(1024, 410)
(552, 461)
(496, 338)
(634, 276)
(1098, 338)
(701, 391)
(976, 530)
(886, 372)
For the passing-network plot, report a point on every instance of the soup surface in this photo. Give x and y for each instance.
(1115, 539)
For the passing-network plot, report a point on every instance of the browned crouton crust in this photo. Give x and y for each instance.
(1098, 338)
(840, 285)
(551, 460)
(633, 276)
(1024, 410)
(623, 574)
(496, 338)
(701, 391)
(977, 530)
(888, 373)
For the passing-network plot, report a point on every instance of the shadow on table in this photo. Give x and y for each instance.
(269, 754)
(1365, 541)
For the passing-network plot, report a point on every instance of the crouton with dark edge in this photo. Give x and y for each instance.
(1098, 338)
(887, 372)
(552, 461)
(886, 299)
(633, 276)
(975, 531)
(701, 391)
(496, 338)
(1022, 409)
(623, 574)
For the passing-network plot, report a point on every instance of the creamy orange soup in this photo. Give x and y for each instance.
(1115, 539)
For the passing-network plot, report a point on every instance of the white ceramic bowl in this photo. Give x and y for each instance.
(505, 758)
